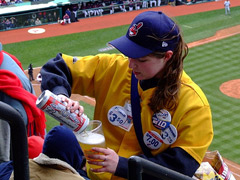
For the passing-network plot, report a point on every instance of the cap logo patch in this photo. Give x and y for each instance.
(134, 29)
(164, 44)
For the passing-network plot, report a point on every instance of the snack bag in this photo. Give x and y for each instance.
(206, 172)
(216, 161)
(213, 168)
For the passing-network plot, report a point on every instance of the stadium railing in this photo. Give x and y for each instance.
(137, 166)
(18, 141)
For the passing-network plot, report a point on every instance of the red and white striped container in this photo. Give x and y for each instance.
(52, 105)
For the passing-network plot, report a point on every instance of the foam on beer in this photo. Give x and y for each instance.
(91, 138)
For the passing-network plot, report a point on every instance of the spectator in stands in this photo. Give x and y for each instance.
(100, 9)
(94, 9)
(68, 12)
(38, 22)
(60, 159)
(72, 17)
(66, 19)
(83, 5)
(35, 146)
(85, 13)
(49, 17)
(12, 2)
(75, 9)
(6, 169)
(2, 24)
(143, 87)
(3, 3)
(26, 23)
(84, 9)
(18, 1)
(153, 3)
(55, 17)
(87, 9)
(40, 15)
(13, 22)
(31, 22)
(112, 7)
(8, 2)
(80, 4)
(7, 24)
(44, 17)
(121, 5)
(17, 91)
(130, 5)
(138, 4)
(145, 4)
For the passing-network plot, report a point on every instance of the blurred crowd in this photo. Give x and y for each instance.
(73, 12)
(33, 19)
(94, 8)
(9, 2)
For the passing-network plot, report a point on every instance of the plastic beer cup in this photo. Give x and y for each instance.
(92, 136)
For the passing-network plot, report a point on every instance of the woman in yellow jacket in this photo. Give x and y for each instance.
(148, 105)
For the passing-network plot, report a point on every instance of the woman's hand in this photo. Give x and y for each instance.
(72, 105)
(108, 161)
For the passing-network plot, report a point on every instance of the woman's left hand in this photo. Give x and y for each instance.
(72, 105)
(109, 160)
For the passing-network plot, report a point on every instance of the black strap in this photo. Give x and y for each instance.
(136, 115)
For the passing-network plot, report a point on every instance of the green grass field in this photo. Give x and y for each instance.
(209, 66)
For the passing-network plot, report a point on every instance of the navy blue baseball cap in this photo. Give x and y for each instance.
(150, 31)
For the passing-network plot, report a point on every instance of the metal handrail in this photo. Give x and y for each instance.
(18, 139)
(138, 165)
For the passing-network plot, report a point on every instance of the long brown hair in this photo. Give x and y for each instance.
(166, 93)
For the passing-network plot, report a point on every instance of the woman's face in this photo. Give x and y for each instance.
(147, 67)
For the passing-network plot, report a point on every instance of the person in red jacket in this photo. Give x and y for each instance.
(66, 19)
(17, 91)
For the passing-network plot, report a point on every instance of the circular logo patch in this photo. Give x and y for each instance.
(162, 119)
(169, 135)
(117, 115)
(152, 140)
(36, 30)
